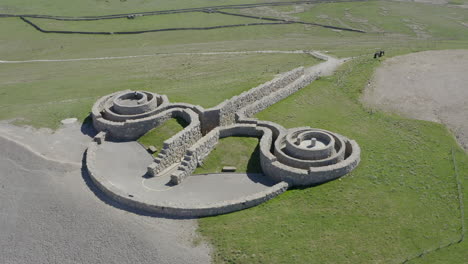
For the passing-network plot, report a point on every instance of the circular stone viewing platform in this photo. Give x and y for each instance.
(122, 166)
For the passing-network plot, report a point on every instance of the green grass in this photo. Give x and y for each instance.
(157, 136)
(240, 152)
(400, 201)
(44, 97)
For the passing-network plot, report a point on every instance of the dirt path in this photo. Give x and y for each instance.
(429, 85)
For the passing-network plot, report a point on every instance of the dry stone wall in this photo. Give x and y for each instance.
(195, 155)
(225, 113)
(251, 109)
(175, 147)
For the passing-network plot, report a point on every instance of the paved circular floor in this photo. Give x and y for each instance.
(124, 165)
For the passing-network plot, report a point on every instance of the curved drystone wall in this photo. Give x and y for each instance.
(135, 113)
(300, 165)
(291, 157)
(125, 117)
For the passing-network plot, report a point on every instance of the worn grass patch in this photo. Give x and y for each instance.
(400, 201)
(240, 152)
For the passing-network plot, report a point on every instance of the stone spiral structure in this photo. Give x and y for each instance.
(306, 156)
(300, 156)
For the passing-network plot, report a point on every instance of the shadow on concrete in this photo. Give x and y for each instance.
(106, 199)
(260, 178)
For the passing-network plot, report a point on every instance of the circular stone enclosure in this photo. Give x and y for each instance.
(134, 102)
(297, 148)
(309, 145)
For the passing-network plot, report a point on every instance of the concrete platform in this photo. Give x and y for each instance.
(123, 165)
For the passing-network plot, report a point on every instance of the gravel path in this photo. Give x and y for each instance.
(50, 214)
(429, 85)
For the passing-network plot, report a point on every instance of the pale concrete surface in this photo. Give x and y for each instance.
(66, 144)
(51, 213)
(124, 165)
(429, 85)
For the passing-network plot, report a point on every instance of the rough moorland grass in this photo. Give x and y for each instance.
(394, 18)
(158, 135)
(400, 201)
(240, 152)
(44, 94)
(443, 26)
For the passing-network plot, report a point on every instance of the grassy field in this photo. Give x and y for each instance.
(400, 201)
(44, 97)
(391, 25)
